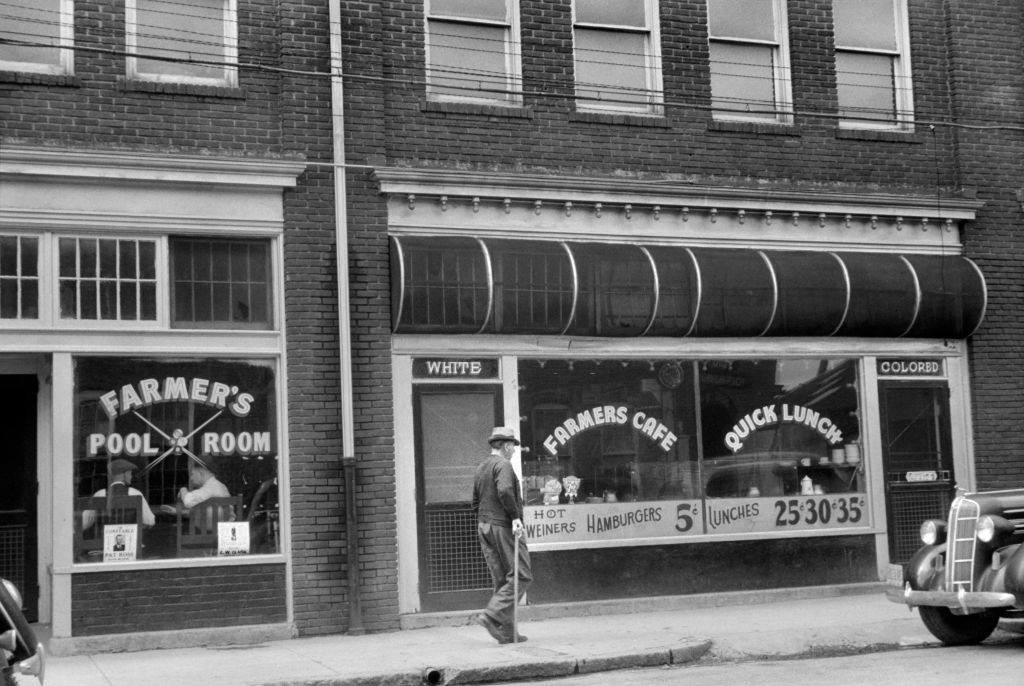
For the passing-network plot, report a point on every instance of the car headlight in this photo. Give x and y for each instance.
(933, 532)
(991, 528)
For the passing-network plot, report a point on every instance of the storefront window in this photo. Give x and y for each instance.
(174, 458)
(647, 449)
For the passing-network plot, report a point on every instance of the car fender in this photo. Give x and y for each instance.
(1013, 568)
(924, 572)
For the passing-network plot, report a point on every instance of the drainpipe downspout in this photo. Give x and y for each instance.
(348, 460)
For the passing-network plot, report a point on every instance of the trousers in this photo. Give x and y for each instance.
(498, 546)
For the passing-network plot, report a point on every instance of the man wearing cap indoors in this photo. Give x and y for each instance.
(498, 502)
(119, 482)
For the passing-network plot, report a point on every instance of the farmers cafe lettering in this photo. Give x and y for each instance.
(220, 397)
(610, 414)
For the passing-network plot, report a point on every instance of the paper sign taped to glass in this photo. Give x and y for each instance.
(232, 538)
(120, 542)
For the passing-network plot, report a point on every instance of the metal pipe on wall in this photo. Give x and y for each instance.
(355, 619)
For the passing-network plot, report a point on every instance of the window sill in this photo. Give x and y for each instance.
(477, 109)
(621, 119)
(891, 136)
(770, 128)
(40, 79)
(173, 563)
(178, 88)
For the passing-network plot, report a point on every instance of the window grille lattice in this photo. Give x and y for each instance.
(12, 555)
(454, 560)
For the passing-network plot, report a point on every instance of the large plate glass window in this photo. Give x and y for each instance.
(220, 283)
(617, 55)
(37, 36)
(177, 456)
(193, 42)
(19, 277)
(662, 448)
(473, 50)
(749, 53)
(873, 76)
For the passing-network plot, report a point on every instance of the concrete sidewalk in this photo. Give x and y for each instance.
(726, 627)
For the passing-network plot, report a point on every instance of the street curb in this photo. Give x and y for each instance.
(536, 669)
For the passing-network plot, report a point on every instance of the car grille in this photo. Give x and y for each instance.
(961, 539)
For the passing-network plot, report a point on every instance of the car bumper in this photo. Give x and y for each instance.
(961, 600)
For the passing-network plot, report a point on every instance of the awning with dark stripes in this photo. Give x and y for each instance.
(453, 285)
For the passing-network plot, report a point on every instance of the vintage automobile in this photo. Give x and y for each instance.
(969, 573)
(22, 653)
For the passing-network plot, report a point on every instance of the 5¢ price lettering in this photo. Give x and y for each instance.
(818, 511)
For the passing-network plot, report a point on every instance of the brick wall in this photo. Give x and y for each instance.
(167, 599)
(988, 58)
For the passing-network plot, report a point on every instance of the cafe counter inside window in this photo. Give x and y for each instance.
(174, 458)
(670, 447)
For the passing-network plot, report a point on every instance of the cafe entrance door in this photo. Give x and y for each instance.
(452, 423)
(918, 458)
(19, 488)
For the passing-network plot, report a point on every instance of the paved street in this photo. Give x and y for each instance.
(992, 665)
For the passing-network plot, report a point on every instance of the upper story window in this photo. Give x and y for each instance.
(37, 36)
(617, 55)
(473, 50)
(749, 54)
(873, 79)
(192, 41)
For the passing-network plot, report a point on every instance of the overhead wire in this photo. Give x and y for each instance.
(472, 81)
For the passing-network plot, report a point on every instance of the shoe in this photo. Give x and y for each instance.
(507, 638)
(493, 628)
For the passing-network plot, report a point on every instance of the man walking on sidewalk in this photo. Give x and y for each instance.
(498, 502)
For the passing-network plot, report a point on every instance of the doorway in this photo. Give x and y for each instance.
(19, 488)
(452, 423)
(917, 457)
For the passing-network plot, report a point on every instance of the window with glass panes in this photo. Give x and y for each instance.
(873, 80)
(473, 50)
(174, 40)
(220, 283)
(19, 277)
(36, 36)
(107, 279)
(749, 59)
(617, 55)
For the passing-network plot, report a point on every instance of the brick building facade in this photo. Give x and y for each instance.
(646, 228)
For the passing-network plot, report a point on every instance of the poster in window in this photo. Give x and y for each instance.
(120, 542)
(232, 538)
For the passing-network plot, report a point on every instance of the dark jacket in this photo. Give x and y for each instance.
(497, 497)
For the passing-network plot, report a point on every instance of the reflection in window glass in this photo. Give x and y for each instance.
(624, 428)
(775, 427)
(160, 437)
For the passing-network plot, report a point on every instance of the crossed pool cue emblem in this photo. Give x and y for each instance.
(178, 440)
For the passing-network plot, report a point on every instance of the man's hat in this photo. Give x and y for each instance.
(120, 466)
(503, 433)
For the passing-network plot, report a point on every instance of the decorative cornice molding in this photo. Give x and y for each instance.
(146, 167)
(490, 187)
